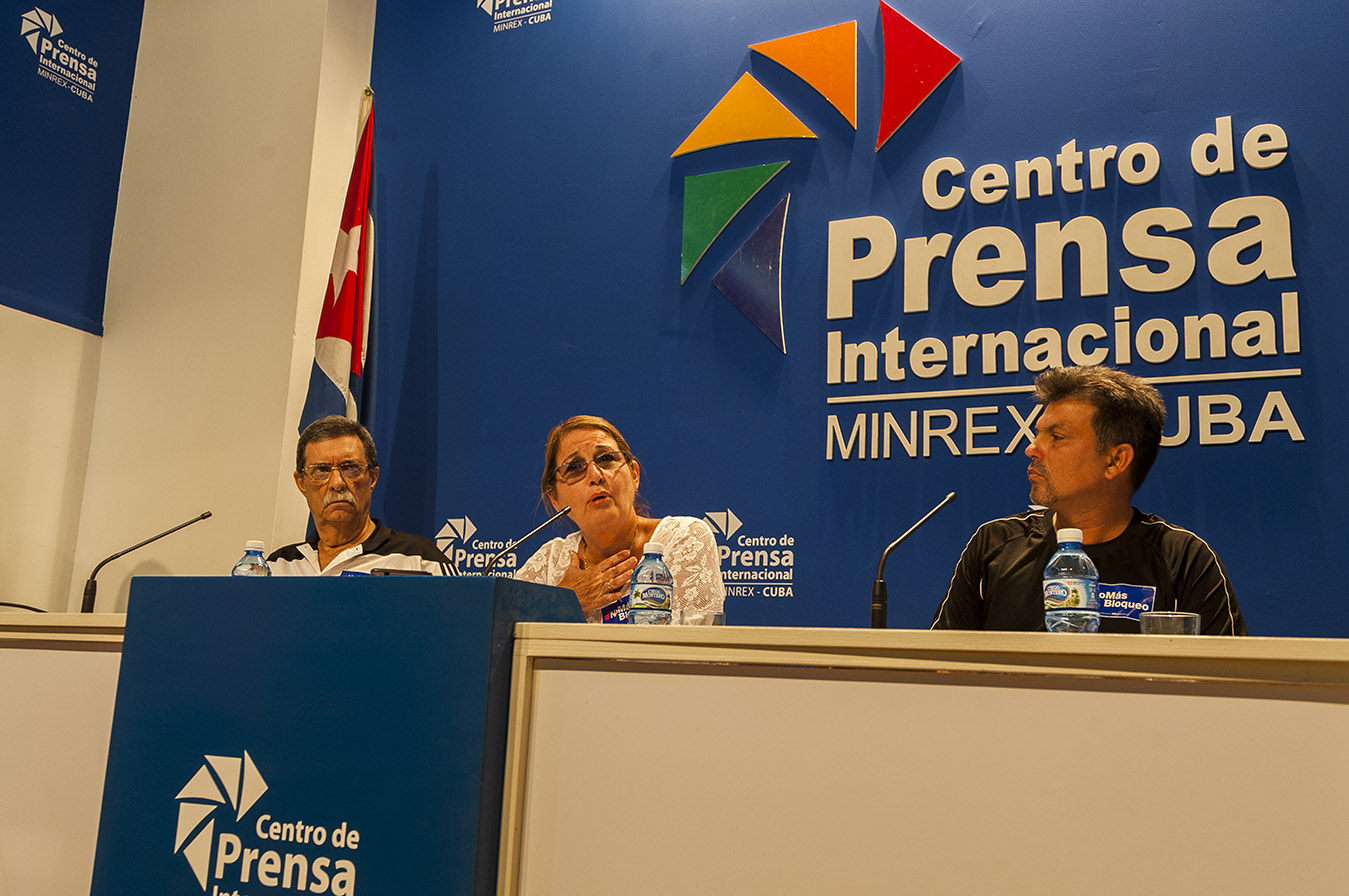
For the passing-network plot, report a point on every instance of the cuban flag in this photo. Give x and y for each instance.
(344, 324)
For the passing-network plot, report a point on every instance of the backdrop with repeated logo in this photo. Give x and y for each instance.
(529, 263)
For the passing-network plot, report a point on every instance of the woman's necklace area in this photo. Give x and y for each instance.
(587, 560)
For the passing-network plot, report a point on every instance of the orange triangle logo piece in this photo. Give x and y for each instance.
(747, 112)
(825, 58)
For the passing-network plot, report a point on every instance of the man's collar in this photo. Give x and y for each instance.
(377, 535)
(1047, 526)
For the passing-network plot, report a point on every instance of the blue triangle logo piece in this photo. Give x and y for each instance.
(752, 278)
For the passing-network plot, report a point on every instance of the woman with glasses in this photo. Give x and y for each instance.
(589, 467)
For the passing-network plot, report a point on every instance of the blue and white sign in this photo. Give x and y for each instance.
(1126, 601)
(325, 735)
(67, 71)
(1152, 187)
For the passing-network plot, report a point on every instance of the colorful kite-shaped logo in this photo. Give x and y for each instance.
(826, 60)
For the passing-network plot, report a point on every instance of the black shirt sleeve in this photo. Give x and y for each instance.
(963, 605)
(1203, 587)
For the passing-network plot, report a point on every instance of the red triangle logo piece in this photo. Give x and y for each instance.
(915, 64)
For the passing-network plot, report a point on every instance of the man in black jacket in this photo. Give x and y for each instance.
(1096, 439)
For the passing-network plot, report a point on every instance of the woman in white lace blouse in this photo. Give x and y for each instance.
(588, 465)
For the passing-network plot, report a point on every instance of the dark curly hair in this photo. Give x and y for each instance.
(1128, 410)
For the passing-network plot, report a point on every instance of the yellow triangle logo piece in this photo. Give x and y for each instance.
(747, 112)
(825, 58)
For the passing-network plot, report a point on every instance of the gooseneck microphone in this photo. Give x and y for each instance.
(91, 587)
(879, 597)
(510, 546)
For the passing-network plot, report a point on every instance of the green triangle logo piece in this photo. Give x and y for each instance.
(711, 201)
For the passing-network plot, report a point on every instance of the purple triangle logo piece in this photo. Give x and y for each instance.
(752, 278)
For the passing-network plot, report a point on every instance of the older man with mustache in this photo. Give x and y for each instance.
(1095, 440)
(336, 471)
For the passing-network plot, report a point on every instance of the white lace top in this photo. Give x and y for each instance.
(690, 552)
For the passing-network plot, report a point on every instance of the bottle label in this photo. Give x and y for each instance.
(1070, 594)
(650, 596)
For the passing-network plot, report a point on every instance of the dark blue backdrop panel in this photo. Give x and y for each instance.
(529, 270)
(68, 75)
(365, 704)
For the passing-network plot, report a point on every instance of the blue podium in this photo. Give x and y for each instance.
(338, 735)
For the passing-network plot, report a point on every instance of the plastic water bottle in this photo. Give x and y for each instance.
(652, 588)
(252, 563)
(1072, 601)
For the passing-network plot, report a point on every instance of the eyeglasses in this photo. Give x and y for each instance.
(321, 473)
(576, 468)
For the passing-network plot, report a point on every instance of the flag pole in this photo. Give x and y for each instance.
(363, 110)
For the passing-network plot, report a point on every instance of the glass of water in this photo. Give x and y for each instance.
(1168, 622)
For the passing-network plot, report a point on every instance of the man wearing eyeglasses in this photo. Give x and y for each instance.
(336, 470)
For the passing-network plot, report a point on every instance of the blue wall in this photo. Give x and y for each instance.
(529, 232)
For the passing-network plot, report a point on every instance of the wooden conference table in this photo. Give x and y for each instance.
(786, 761)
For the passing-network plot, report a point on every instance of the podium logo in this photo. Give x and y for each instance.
(61, 63)
(724, 524)
(460, 530)
(224, 783)
(752, 565)
(510, 14)
(38, 25)
(472, 555)
(226, 852)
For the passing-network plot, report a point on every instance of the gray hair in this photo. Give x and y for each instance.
(334, 427)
